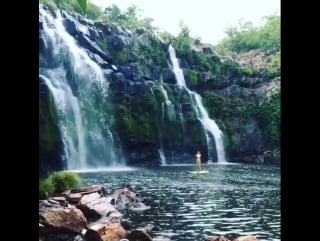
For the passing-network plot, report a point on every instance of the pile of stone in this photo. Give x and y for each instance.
(89, 214)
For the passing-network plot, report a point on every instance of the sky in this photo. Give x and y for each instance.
(206, 19)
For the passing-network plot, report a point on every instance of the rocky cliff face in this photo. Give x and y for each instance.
(150, 112)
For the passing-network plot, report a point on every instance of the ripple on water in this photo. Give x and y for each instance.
(232, 200)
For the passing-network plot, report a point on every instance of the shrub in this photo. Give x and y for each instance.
(247, 71)
(120, 57)
(45, 188)
(58, 182)
(247, 37)
(192, 77)
(103, 45)
(269, 120)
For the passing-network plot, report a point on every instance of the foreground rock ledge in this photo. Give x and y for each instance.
(90, 214)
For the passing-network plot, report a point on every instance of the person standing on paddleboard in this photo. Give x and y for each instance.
(198, 160)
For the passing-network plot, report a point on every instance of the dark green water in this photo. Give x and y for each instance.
(231, 200)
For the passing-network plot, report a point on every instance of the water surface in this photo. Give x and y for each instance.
(231, 200)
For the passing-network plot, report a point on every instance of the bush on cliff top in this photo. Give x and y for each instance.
(58, 182)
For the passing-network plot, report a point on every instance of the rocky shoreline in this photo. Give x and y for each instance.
(91, 214)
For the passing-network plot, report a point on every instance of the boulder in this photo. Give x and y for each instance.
(90, 189)
(209, 51)
(124, 197)
(94, 207)
(247, 238)
(113, 231)
(63, 220)
(218, 238)
(139, 235)
(74, 197)
(91, 235)
(116, 43)
(86, 43)
(118, 81)
(168, 76)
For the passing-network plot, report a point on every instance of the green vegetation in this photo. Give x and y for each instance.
(268, 115)
(90, 10)
(247, 71)
(129, 18)
(83, 5)
(192, 78)
(273, 68)
(48, 135)
(120, 57)
(51, 3)
(139, 117)
(103, 45)
(183, 41)
(153, 55)
(58, 182)
(215, 104)
(247, 37)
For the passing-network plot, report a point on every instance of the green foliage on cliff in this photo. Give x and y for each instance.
(273, 69)
(139, 117)
(269, 119)
(233, 113)
(183, 41)
(58, 182)
(192, 78)
(83, 4)
(152, 55)
(247, 37)
(120, 57)
(90, 10)
(131, 17)
(103, 45)
(214, 103)
(48, 115)
(247, 71)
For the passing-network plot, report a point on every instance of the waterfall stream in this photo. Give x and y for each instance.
(79, 89)
(209, 125)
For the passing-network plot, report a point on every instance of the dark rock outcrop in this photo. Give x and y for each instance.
(62, 220)
(139, 235)
(135, 64)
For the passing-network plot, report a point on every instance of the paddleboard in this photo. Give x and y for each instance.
(198, 172)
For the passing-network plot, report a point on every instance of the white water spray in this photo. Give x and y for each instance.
(169, 104)
(79, 90)
(208, 124)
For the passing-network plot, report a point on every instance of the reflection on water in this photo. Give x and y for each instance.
(231, 200)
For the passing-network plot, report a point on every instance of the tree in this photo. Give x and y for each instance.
(114, 13)
(183, 40)
(83, 4)
(246, 37)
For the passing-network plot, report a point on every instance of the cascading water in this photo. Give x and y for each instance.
(181, 117)
(79, 89)
(169, 105)
(161, 154)
(208, 124)
(162, 158)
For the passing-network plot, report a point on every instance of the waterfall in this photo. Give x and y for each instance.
(79, 89)
(208, 124)
(162, 158)
(181, 117)
(169, 104)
